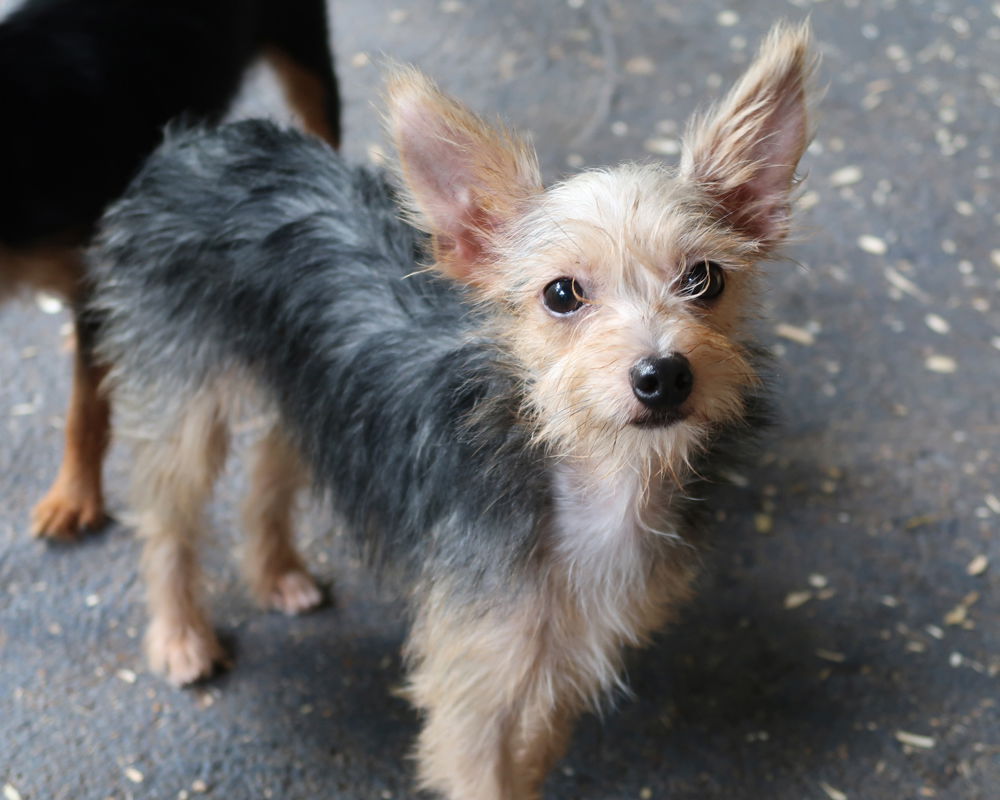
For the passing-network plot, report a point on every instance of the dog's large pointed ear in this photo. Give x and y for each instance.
(465, 179)
(744, 152)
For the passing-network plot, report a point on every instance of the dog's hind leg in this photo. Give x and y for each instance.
(75, 501)
(298, 36)
(172, 480)
(271, 564)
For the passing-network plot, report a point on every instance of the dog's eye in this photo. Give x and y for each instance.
(704, 281)
(563, 296)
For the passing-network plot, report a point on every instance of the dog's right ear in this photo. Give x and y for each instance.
(465, 179)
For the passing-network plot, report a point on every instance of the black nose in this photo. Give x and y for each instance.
(662, 382)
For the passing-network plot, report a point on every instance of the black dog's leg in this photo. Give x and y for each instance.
(298, 38)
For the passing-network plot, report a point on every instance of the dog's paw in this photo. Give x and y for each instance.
(295, 592)
(182, 655)
(64, 513)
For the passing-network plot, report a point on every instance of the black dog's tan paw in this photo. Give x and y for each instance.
(65, 513)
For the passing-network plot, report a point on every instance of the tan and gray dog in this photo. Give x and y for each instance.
(517, 432)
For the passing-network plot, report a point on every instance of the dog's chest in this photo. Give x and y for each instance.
(600, 531)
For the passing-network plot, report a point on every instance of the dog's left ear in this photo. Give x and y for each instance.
(744, 153)
(466, 179)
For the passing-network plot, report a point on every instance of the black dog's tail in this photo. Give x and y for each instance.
(298, 33)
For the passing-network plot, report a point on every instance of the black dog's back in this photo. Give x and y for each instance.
(86, 87)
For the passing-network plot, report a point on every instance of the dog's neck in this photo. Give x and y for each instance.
(606, 524)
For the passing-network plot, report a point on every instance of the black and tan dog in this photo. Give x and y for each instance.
(86, 87)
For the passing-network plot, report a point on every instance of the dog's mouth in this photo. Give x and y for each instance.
(660, 418)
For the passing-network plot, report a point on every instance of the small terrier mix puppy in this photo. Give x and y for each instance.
(517, 431)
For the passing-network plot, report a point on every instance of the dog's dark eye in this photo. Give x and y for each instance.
(704, 281)
(563, 296)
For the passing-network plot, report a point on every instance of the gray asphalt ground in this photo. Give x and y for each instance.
(846, 639)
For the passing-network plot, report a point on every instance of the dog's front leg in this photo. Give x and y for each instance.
(473, 667)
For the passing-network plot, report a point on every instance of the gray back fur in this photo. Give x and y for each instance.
(255, 249)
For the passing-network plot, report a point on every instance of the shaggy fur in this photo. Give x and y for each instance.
(493, 453)
(86, 87)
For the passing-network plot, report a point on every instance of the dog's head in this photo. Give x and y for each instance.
(622, 293)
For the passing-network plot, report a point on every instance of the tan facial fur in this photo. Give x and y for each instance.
(627, 236)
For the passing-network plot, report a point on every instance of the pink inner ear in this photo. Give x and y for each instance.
(745, 154)
(438, 176)
(747, 159)
(469, 242)
(441, 177)
(778, 151)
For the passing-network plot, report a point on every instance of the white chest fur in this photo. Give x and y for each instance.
(597, 521)
(609, 566)
(602, 537)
